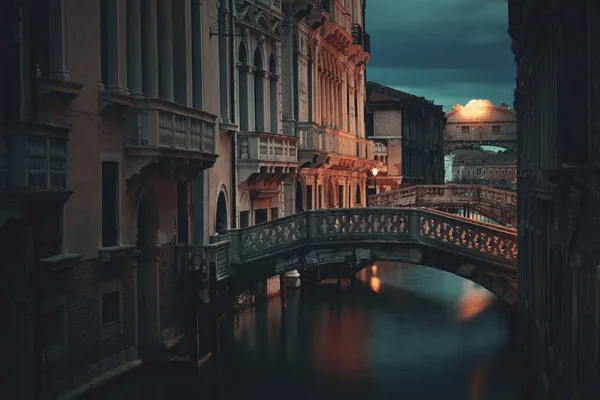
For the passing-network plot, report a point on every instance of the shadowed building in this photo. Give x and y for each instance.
(558, 60)
(121, 88)
(407, 131)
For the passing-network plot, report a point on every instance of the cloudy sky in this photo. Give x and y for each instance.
(449, 51)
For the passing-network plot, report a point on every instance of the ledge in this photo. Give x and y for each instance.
(113, 253)
(115, 98)
(61, 261)
(63, 89)
(226, 127)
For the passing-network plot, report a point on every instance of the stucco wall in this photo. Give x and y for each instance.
(388, 123)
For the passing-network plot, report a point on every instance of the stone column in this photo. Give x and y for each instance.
(112, 46)
(150, 74)
(289, 194)
(287, 60)
(165, 50)
(225, 64)
(134, 47)
(57, 41)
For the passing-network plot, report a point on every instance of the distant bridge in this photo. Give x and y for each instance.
(496, 204)
(484, 253)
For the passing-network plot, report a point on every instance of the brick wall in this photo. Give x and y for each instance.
(88, 354)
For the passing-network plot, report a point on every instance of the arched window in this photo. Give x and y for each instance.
(243, 87)
(295, 50)
(221, 220)
(259, 92)
(273, 95)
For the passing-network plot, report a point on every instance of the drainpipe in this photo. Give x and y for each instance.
(233, 183)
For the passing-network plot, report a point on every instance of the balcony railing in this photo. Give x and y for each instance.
(33, 157)
(329, 140)
(267, 147)
(154, 123)
(337, 12)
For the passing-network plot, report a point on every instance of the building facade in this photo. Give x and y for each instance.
(408, 135)
(480, 122)
(118, 117)
(485, 167)
(324, 55)
(559, 130)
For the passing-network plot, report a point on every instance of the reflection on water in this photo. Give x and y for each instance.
(407, 332)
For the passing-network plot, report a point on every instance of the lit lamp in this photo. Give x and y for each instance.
(374, 171)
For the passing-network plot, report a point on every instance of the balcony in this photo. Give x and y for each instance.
(167, 133)
(261, 153)
(335, 147)
(33, 162)
(338, 23)
(273, 4)
(359, 51)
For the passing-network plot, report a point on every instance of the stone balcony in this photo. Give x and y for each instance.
(338, 23)
(261, 153)
(359, 51)
(170, 134)
(33, 162)
(333, 147)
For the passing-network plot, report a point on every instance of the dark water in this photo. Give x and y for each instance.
(408, 332)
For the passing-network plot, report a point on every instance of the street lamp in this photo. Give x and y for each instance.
(374, 171)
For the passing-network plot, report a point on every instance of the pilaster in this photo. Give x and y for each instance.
(165, 50)
(150, 44)
(225, 64)
(287, 55)
(57, 40)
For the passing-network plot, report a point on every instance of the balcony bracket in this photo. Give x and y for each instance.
(61, 89)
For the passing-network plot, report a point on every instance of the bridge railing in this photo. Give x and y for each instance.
(356, 225)
(198, 257)
(444, 194)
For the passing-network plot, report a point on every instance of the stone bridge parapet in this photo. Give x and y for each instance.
(484, 253)
(497, 204)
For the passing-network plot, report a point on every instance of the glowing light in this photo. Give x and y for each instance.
(374, 269)
(374, 171)
(375, 284)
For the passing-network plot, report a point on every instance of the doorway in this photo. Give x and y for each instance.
(299, 198)
(221, 214)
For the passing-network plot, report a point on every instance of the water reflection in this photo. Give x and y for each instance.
(408, 332)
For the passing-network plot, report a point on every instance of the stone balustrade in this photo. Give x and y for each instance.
(33, 157)
(161, 124)
(424, 195)
(259, 146)
(329, 140)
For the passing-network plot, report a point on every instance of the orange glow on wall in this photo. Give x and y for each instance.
(374, 269)
(375, 284)
(474, 301)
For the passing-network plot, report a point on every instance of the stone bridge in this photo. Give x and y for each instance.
(484, 253)
(496, 204)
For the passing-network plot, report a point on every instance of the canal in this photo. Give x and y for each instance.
(407, 332)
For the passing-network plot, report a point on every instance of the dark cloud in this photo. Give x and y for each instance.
(442, 47)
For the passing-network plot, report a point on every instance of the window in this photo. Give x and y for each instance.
(464, 129)
(260, 216)
(110, 202)
(320, 197)
(510, 171)
(111, 308)
(110, 312)
(496, 172)
(244, 219)
(496, 129)
(340, 196)
(309, 197)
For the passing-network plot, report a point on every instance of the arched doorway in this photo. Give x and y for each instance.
(148, 328)
(299, 197)
(358, 194)
(221, 221)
